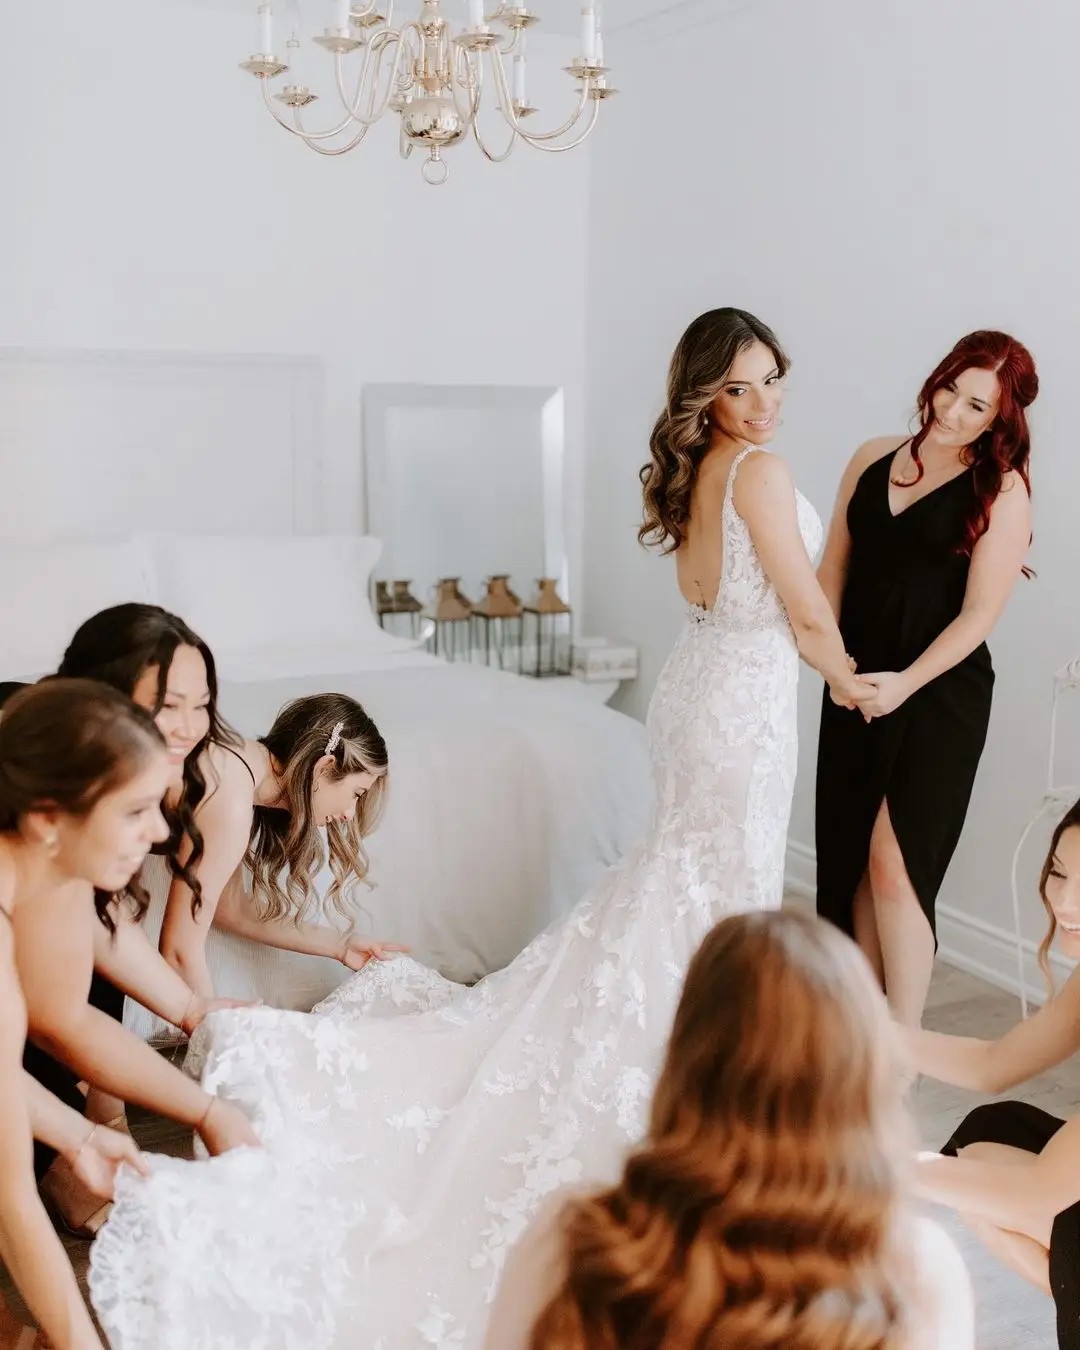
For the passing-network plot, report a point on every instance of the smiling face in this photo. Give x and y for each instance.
(964, 408)
(336, 798)
(107, 846)
(748, 405)
(184, 716)
(1063, 891)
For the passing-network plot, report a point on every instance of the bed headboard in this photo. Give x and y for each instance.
(98, 443)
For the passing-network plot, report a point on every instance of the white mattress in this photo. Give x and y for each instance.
(508, 797)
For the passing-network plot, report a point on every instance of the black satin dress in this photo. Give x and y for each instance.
(905, 584)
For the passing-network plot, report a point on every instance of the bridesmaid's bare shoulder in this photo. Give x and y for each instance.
(874, 449)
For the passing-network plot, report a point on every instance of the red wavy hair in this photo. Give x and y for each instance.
(764, 1210)
(1006, 444)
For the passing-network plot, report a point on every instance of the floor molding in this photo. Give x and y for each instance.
(965, 941)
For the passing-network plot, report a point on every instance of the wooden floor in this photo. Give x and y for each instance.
(1011, 1315)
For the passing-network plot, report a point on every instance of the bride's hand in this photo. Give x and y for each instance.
(357, 952)
(852, 693)
(891, 689)
(224, 1126)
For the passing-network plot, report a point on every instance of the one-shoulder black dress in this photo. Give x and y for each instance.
(905, 584)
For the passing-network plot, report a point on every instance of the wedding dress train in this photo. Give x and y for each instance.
(412, 1126)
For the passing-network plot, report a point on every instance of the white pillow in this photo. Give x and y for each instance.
(49, 587)
(245, 594)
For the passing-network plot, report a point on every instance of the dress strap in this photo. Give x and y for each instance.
(729, 490)
(242, 760)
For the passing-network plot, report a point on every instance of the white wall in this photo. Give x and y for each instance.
(873, 180)
(148, 202)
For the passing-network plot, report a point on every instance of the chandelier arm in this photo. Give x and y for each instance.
(372, 115)
(352, 107)
(491, 155)
(515, 41)
(332, 149)
(566, 145)
(350, 104)
(537, 138)
(459, 86)
(311, 137)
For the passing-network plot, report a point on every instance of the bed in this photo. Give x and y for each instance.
(509, 796)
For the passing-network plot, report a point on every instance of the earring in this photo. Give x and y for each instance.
(52, 844)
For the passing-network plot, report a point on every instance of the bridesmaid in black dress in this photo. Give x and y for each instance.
(1011, 1169)
(926, 543)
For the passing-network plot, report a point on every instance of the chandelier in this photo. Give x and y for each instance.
(439, 79)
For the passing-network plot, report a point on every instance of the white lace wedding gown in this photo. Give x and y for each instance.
(412, 1126)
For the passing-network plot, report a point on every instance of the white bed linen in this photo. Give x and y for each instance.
(508, 797)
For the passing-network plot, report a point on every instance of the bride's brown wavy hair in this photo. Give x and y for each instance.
(762, 1210)
(698, 372)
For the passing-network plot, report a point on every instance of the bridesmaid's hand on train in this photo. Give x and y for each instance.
(99, 1157)
(199, 1008)
(892, 690)
(356, 952)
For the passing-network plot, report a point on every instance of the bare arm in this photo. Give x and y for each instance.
(1045, 1039)
(999, 1192)
(29, 1246)
(236, 913)
(225, 821)
(833, 568)
(129, 960)
(765, 498)
(54, 945)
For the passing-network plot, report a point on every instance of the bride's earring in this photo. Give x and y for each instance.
(52, 844)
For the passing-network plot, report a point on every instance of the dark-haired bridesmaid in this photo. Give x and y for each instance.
(927, 541)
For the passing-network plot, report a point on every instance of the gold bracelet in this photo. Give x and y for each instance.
(187, 1009)
(86, 1141)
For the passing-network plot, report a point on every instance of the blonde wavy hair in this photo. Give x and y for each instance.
(285, 851)
(1069, 821)
(698, 372)
(762, 1210)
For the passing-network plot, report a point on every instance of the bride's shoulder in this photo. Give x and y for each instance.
(760, 477)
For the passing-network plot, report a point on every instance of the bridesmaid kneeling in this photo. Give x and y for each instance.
(1013, 1170)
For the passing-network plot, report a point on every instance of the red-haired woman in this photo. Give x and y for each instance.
(927, 540)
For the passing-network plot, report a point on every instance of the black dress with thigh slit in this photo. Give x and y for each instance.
(905, 584)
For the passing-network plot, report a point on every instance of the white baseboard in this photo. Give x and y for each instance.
(964, 940)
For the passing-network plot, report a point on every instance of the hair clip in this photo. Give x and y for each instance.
(335, 737)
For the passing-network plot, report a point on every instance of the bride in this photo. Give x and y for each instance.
(412, 1126)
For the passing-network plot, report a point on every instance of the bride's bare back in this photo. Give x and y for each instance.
(699, 560)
